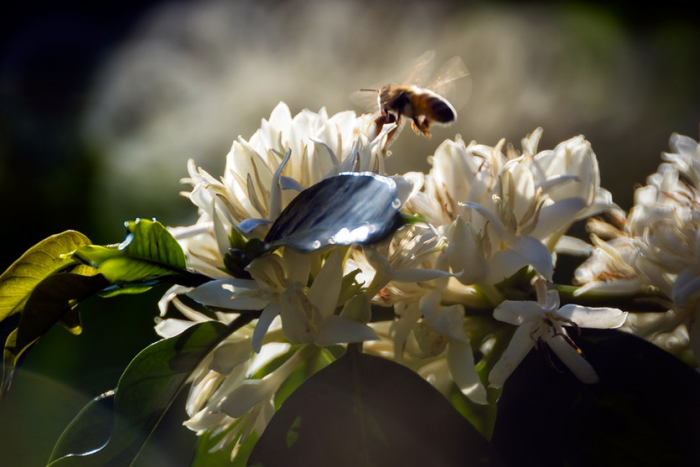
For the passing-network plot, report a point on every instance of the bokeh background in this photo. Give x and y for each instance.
(101, 107)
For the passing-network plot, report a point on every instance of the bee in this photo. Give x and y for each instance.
(424, 106)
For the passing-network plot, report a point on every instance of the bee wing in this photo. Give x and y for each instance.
(452, 81)
(421, 69)
(417, 74)
(366, 99)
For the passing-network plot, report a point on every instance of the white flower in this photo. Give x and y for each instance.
(509, 211)
(431, 340)
(310, 316)
(542, 323)
(570, 171)
(459, 173)
(665, 222)
(262, 175)
(299, 298)
(278, 288)
(224, 398)
(609, 269)
(404, 268)
(656, 248)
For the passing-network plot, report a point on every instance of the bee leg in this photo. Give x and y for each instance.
(415, 127)
(421, 127)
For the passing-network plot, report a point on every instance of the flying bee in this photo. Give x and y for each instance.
(424, 105)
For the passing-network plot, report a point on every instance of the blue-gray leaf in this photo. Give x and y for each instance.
(350, 208)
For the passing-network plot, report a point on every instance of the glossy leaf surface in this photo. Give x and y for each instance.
(145, 391)
(645, 411)
(149, 252)
(350, 208)
(366, 410)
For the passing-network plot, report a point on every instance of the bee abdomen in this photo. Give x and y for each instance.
(441, 110)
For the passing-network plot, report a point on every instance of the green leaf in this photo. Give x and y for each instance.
(53, 300)
(149, 252)
(366, 410)
(144, 393)
(316, 360)
(37, 263)
(645, 411)
(93, 425)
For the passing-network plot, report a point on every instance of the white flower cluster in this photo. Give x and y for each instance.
(470, 283)
(656, 248)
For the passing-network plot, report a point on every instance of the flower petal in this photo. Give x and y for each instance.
(535, 254)
(687, 284)
(449, 322)
(323, 293)
(571, 357)
(268, 314)
(358, 308)
(338, 330)
(297, 266)
(518, 312)
(573, 246)
(556, 216)
(245, 397)
(172, 327)
(466, 253)
(232, 294)
(460, 359)
(492, 218)
(597, 318)
(408, 315)
(296, 310)
(520, 345)
(229, 355)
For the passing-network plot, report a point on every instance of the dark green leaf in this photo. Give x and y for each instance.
(53, 300)
(92, 426)
(37, 263)
(313, 363)
(145, 391)
(365, 410)
(353, 207)
(645, 411)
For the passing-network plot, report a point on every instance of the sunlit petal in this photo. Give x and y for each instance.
(520, 345)
(589, 317)
(517, 312)
(233, 294)
(571, 357)
(461, 362)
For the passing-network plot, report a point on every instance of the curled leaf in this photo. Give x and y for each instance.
(43, 259)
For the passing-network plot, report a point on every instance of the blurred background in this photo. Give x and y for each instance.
(101, 106)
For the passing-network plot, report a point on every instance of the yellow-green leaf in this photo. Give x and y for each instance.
(148, 252)
(37, 263)
(53, 300)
